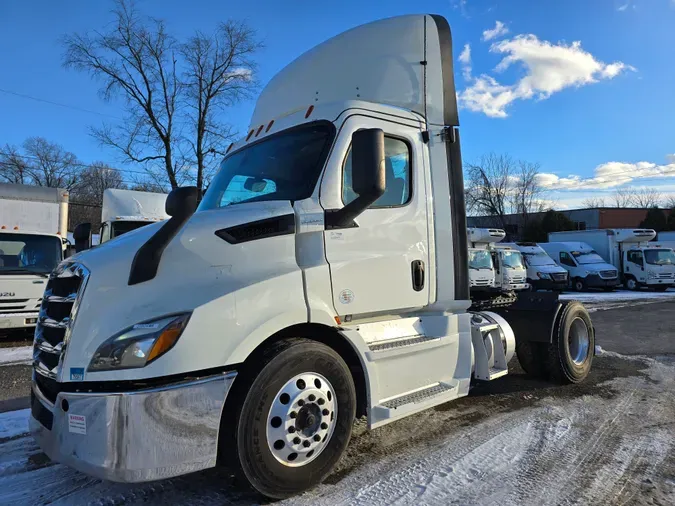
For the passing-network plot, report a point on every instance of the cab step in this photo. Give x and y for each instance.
(403, 346)
(416, 400)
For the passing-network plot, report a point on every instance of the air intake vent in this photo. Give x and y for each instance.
(261, 229)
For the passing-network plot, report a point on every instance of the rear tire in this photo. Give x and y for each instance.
(283, 468)
(571, 352)
(532, 357)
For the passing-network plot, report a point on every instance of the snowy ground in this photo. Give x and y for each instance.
(16, 355)
(513, 441)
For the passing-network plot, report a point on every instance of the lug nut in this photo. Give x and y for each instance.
(293, 414)
(325, 412)
(296, 441)
(291, 429)
(301, 402)
(311, 398)
(324, 425)
(321, 402)
(306, 443)
(317, 437)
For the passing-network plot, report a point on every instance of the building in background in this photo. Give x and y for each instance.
(583, 219)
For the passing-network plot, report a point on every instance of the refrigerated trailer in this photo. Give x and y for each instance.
(640, 263)
(254, 330)
(33, 238)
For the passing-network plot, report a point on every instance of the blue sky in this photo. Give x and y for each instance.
(595, 114)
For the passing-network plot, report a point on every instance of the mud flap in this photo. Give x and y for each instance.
(533, 316)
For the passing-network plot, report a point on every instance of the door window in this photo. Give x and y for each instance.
(566, 259)
(397, 175)
(635, 257)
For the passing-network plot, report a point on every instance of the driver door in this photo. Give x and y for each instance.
(380, 264)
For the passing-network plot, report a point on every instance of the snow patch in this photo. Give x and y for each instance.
(18, 355)
(618, 296)
(14, 423)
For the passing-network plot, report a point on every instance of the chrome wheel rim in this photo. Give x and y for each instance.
(302, 419)
(579, 341)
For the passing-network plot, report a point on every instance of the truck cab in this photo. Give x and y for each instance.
(542, 272)
(481, 262)
(127, 210)
(511, 273)
(255, 327)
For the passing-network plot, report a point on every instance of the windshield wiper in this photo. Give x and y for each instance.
(24, 271)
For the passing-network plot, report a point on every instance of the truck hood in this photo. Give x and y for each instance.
(595, 268)
(197, 268)
(21, 287)
(548, 269)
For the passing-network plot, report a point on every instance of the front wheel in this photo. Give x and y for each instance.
(579, 285)
(296, 418)
(632, 284)
(571, 352)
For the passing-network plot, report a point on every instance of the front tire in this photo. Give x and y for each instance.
(296, 418)
(571, 352)
(579, 285)
(632, 284)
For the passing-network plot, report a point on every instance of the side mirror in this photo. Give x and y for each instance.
(368, 176)
(82, 236)
(182, 202)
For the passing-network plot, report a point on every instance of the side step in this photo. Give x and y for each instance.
(402, 346)
(417, 400)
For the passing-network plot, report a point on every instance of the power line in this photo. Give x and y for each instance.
(74, 107)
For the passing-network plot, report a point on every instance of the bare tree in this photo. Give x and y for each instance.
(172, 91)
(594, 202)
(40, 163)
(219, 73)
(623, 197)
(669, 203)
(497, 185)
(647, 197)
(13, 166)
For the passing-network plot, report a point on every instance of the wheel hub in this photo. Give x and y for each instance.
(579, 341)
(301, 419)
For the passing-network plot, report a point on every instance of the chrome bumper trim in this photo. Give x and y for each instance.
(137, 436)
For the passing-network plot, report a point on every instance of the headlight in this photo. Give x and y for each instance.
(139, 345)
(651, 275)
(543, 275)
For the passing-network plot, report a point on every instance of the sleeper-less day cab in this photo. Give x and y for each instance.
(323, 277)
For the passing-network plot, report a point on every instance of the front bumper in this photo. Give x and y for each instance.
(135, 436)
(660, 282)
(548, 284)
(595, 281)
(516, 286)
(18, 320)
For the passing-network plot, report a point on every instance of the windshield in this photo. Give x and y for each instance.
(512, 259)
(283, 167)
(28, 253)
(480, 260)
(588, 257)
(539, 258)
(660, 256)
(122, 227)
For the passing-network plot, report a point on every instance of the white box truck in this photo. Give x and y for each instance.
(543, 273)
(127, 210)
(506, 264)
(256, 329)
(639, 262)
(33, 232)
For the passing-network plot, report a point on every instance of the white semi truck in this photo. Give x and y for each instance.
(254, 330)
(640, 263)
(33, 232)
(504, 270)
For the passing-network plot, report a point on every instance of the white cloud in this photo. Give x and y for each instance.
(465, 60)
(623, 7)
(498, 31)
(610, 175)
(549, 68)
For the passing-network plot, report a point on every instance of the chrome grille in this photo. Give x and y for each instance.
(481, 282)
(57, 313)
(608, 274)
(666, 275)
(559, 276)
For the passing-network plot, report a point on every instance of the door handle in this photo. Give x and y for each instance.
(417, 268)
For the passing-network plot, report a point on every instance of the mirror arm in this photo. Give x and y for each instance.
(344, 218)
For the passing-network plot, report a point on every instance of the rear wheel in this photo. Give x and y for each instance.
(532, 357)
(296, 418)
(571, 352)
